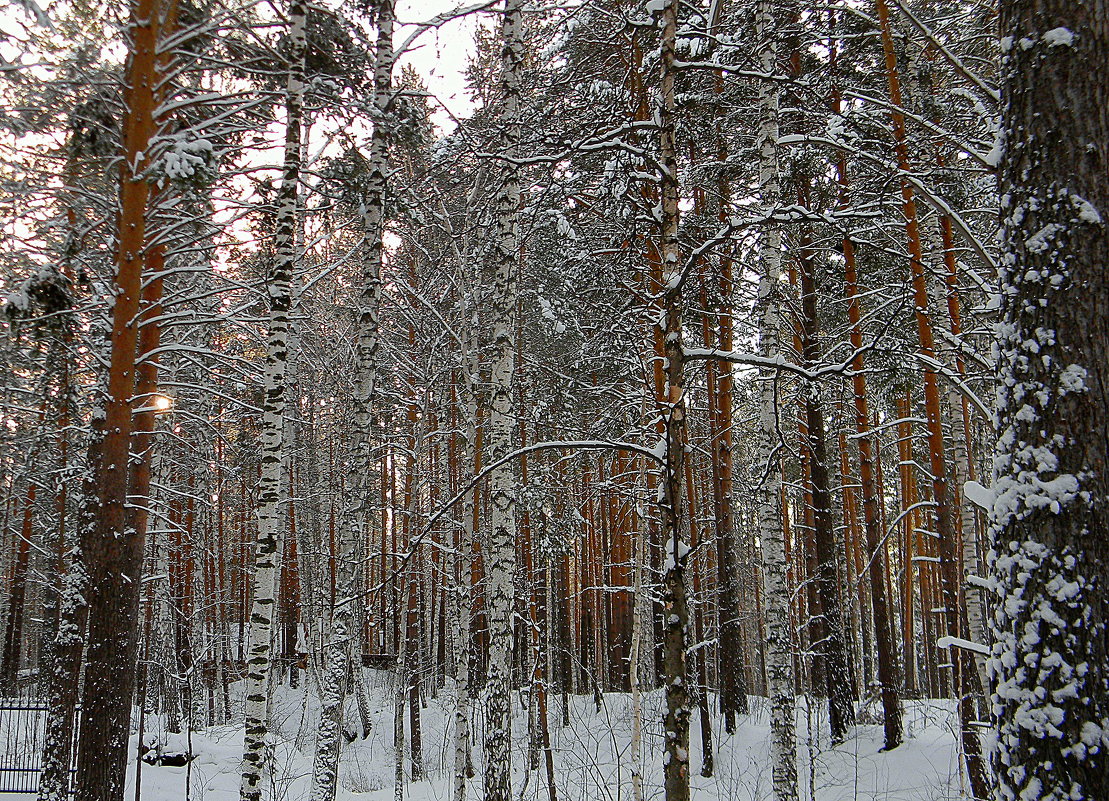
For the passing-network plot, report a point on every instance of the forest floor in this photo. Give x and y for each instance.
(592, 755)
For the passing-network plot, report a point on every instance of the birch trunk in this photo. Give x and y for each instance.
(356, 515)
(501, 564)
(272, 491)
(776, 591)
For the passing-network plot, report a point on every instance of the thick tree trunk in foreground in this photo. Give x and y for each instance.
(112, 551)
(1049, 664)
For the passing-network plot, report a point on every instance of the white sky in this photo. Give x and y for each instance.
(440, 56)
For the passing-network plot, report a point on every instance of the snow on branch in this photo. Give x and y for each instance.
(966, 645)
(773, 362)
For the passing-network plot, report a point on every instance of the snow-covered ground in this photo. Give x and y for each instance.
(592, 755)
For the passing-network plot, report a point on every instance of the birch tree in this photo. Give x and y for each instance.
(502, 272)
(776, 590)
(359, 469)
(272, 490)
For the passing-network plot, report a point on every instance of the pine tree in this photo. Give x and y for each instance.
(110, 547)
(1049, 663)
(671, 404)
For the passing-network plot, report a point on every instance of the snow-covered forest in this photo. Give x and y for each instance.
(710, 400)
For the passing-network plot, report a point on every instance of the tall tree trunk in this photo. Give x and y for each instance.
(777, 597)
(962, 447)
(837, 673)
(289, 595)
(272, 491)
(356, 515)
(965, 674)
(702, 695)
(675, 611)
(503, 267)
(639, 612)
(733, 684)
(1049, 665)
(142, 469)
(544, 687)
(55, 540)
(463, 637)
(112, 553)
(65, 665)
(967, 520)
(17, 593)
(889, 675)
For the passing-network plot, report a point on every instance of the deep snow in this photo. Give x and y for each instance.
(591, 754)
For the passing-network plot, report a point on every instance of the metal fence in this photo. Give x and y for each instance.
(22, 731)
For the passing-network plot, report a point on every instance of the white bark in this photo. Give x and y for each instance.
(640, 611)
(356, 515)
(272, 490)
(776, 592)
(461, 595)
(976, 620)
(502, 267)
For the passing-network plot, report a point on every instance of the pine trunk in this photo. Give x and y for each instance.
(1049, 665)
(108, 547)
(965, 678)
(675, 610)
(889, 676)
(832, 647)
